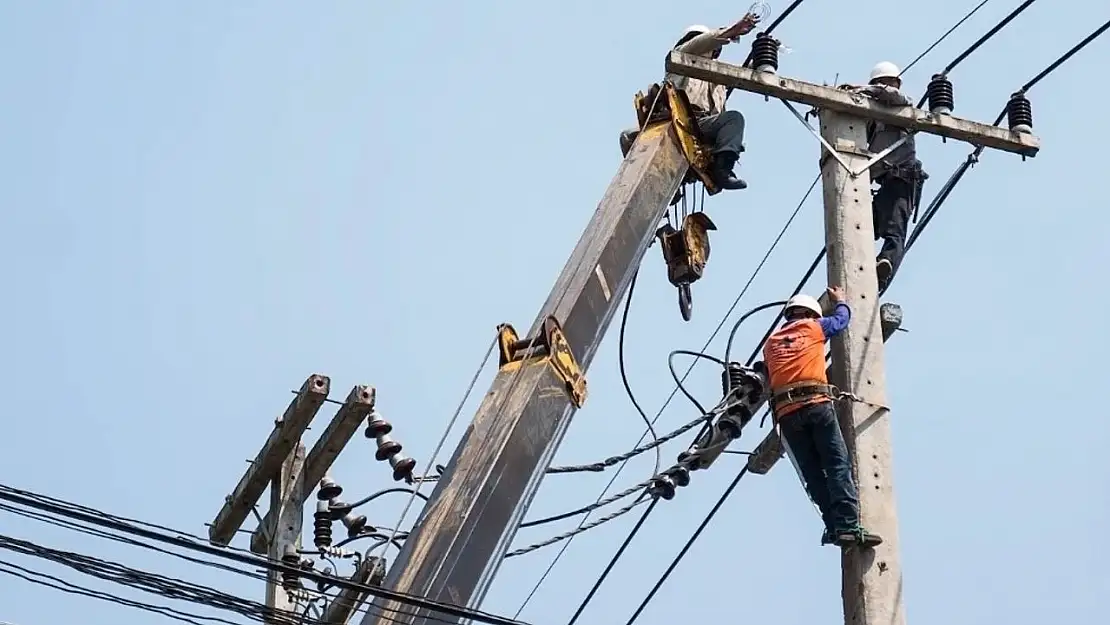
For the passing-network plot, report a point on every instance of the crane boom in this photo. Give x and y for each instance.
(473, 513)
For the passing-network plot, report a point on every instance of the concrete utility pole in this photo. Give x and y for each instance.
(871, 579)
(292, 475)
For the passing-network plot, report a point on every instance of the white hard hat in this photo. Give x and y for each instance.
(885, 69)
(695, 29)
(808, 302)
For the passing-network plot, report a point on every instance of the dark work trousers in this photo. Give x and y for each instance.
(813, 434)
(724, 129)
(891, 209)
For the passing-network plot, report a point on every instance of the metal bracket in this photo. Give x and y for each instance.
(550, 346)
(836, 153)
(664, 103)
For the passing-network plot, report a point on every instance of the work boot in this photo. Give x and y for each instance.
(627, 138)
(858, 537)
(827, 537)
(720, 171)
(883, 269)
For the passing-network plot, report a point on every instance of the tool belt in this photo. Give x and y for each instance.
(800, 391)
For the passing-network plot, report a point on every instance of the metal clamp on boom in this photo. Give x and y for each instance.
(672, 106)
(686, 251)
(549, 345)
(744, 390)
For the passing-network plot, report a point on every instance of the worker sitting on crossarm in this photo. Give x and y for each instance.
(899, 174)
(723, 127)
(803, 408)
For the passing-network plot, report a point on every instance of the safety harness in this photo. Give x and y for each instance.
(801, 391)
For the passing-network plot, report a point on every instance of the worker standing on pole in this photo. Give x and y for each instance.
(804, 411)
(899, 174)
(722, 127)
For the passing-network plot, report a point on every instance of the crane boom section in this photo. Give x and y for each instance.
(472, 515)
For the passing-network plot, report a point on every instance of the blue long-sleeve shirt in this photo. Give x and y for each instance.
(836, 323)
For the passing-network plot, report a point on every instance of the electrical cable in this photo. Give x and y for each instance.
(973, 158)
(655, 442)
(42, 579)
(678, 382)
(387, 491)
(122, 539)
(624, 372)
(941, 39)
(980, 41)
(582, 528)
(742, 319)
(89, 531)
(76, 512)
(689, 543)
(613, 562)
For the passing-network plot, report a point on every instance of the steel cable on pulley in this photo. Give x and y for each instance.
(1040, 76)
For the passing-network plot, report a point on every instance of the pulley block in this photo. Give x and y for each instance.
(686, 252)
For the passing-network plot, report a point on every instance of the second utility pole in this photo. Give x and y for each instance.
(872, 578)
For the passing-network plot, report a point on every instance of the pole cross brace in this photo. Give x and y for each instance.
(835, 151)
(549, 346)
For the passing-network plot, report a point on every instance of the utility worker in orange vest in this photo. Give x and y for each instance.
(803, 408)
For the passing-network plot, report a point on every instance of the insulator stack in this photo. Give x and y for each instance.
(665, 484)
(1019, 113)
(321, 525)
(389, 449)
(765, 53)
(290, 580)
(940, 95)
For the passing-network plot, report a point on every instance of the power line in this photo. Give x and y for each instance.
(613, 562)
(689, 543)
(973, 158)
(942, 38)
(66, 509)
(37, 516)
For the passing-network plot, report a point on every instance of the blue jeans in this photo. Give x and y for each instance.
(814, 436)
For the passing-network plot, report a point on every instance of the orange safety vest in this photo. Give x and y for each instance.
(796, 353)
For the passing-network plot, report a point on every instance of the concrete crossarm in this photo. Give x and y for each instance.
(842, 101)
(355, 409)
(284, 437)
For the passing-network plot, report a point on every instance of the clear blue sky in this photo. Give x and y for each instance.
(204, 202)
